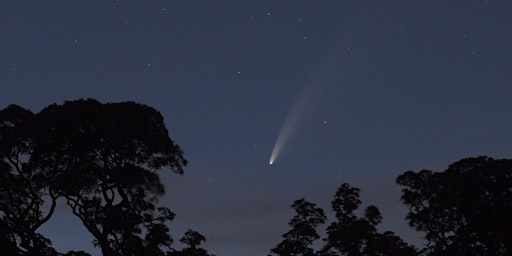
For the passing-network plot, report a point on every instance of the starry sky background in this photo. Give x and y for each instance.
(389, 86)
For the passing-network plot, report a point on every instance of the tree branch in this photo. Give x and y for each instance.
(50, 213)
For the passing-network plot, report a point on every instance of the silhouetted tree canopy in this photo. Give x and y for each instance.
(298, 240)
(193, 240)
(464, 210)
(76, 253)
(350, 235)
(22, 190)
(102, 159)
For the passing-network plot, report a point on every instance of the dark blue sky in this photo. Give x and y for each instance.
(389, 86)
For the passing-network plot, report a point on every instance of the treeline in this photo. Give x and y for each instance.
(464, 210)
(103, 160)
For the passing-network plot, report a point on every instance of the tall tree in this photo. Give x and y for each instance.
(297, 241)
(351, 235)
(103, 159)
(22, 191)
(464, 210)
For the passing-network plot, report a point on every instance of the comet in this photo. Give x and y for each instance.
(296, 115)
(326, 73)
(286, 132)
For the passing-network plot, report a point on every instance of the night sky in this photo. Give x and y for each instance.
(375, 88)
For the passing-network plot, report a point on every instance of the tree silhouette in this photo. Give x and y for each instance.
(298, 240)
(102, 159)
(351, 235)
(193, 240)
(21, 191)
(464, 210)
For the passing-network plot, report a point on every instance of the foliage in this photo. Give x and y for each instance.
(298, 240)
(21, 190)
(464, 210)
(193, 240)
(351, 235)
(107, 155)
(102, 159)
